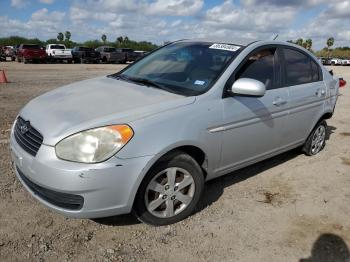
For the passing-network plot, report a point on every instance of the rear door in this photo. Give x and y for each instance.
(254, 127)
(307, 92)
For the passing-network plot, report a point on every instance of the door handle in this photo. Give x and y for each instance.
(279, 101)
(320, 92)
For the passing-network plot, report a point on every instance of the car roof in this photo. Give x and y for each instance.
(243, 43)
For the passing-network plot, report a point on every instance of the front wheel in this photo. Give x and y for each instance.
(170, 191)
(316, 140)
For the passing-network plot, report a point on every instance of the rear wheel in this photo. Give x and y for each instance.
(316, 140)
(170, 191)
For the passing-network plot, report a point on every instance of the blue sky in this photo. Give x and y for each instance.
(166, 20)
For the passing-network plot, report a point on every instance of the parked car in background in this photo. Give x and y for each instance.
(325, 60)
(15, 50)
(58, 52)
(30, 53)
(139, 54)
(2, 54)
(346, 62)
(109, 54)
(128, 53)
(147, 138)
(9, 52)
(82, 54)
(336, 61)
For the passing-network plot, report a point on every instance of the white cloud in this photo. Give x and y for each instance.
(175, 7)
(47, 1)
(160, 20)
(19, 3)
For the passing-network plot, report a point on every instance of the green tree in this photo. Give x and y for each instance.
(67, 35)
(60, 37)
(300, 42)
(330, 43)
(104, 38)
(126, 39)
(308, 43)
(119, 40)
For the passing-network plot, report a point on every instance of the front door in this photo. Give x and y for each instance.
(254, 127)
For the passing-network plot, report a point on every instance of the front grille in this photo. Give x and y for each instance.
(27, 136)
(63, 200)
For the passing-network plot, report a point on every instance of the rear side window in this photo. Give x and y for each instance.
(299, 68)
(261, 66)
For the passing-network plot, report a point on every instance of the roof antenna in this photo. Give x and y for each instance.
(275, 37)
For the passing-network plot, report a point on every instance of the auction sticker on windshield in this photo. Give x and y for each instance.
(226, 47)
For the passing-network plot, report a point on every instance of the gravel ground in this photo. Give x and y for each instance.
(289, 208)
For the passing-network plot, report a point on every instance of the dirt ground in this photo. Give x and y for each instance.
(289, 208)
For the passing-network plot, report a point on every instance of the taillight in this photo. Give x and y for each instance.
(342, 82)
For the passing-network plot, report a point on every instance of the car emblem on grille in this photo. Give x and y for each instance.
(24, 127)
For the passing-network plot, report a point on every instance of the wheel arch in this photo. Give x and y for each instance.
(194, 151)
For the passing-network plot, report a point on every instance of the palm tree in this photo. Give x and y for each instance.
(120, 39)
(60, 36)
(126, 39)
(308, 43)
(300, 42)
(330, 42)
(104, 38)
(67, 35)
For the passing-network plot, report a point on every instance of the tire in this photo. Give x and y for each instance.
(316, 140)
(169, 208)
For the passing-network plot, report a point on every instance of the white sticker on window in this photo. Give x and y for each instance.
(226, 47)
(199, 82)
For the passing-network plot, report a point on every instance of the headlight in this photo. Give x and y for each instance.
(94, 145)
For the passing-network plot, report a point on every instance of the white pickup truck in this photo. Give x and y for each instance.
(336, 61)
(58, 52)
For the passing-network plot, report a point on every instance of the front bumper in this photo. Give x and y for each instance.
(62, 56)
(95, 190)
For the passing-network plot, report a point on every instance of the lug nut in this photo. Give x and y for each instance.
(176, 188)
(165, 196)
(173, 198)
(166, 187)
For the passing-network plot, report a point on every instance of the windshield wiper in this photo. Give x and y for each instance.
(143, 81)
(147, 82)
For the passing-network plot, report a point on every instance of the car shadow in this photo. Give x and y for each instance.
(330, 131)
(328, 247)
(121, 220)
(215, 188)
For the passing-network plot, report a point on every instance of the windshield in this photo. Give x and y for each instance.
(83, 48)
(109, 49)
(57, 47)
(31, 47)
(186, 68)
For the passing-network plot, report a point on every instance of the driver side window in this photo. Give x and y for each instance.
(261, 66)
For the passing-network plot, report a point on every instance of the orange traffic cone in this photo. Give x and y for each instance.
(3, 78)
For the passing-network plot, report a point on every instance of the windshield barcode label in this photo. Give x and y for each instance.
(226, 47)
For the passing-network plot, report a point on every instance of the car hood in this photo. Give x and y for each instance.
(93, 103)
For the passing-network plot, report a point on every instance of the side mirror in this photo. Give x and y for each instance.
(248, 87)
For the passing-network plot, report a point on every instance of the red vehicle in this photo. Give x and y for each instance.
(30, 52)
